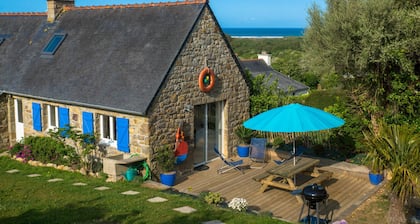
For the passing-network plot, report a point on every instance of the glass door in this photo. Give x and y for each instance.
(207, 131)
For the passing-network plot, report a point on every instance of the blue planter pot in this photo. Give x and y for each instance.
(375, 178)
(168, 178)
(243, 150)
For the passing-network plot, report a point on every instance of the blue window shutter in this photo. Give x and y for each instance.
(123, 140)
(87, 123)
(63, 119)
(36, 116)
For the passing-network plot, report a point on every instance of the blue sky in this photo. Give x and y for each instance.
(229, 13)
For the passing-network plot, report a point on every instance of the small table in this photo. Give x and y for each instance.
(287, 172)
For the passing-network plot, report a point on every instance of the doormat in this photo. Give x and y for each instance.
(201, 168)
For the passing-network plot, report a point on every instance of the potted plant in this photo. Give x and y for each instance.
(165, 159)
(373, 159)
(244, 135)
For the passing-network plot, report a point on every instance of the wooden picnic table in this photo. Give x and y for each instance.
(287, 171)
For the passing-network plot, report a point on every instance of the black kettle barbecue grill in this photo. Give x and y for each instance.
(313, 195)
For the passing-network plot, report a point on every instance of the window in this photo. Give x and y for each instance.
(52, 117)
(54, 43)
(115, 132)
(19, 110)
(108, 130)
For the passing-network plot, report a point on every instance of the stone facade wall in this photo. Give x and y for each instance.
(139, 133)
(4, 132)
(205, 47)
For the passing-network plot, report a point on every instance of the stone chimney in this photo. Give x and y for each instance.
(55, 7)
(266, 57)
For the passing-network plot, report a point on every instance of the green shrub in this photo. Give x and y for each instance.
(278, 142)
(244, 134)
(318, 149)
(49, 150)
(213, 198)
(21, 151)
(165, 158)
(16, 148)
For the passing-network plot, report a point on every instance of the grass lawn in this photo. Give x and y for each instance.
(26, 199)
(373, 210)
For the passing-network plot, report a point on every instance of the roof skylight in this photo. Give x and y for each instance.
(54, 43)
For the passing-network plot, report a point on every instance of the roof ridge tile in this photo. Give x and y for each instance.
(23, 14)
(140, 5)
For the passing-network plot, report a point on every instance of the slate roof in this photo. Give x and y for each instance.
(285, 83)
(113, 57)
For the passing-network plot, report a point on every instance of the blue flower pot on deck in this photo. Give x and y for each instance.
(376, 178)
(243, 150)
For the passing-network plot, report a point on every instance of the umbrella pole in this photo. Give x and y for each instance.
(294, 149)
(294, 156)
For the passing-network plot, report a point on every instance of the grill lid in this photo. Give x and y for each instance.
(314, 193)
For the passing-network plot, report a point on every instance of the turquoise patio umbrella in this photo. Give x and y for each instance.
(293, 118)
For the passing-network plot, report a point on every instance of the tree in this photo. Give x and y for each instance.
(374, 45)
(290, 62)
(264, 93)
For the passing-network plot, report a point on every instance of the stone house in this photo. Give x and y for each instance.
(129, 73)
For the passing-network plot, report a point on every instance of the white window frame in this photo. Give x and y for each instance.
(19, 110)
(50, 113)
(110, 140)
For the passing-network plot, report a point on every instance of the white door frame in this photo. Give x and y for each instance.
(20, 130)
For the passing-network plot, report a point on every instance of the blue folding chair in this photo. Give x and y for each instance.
(228, 165)
(257, 154)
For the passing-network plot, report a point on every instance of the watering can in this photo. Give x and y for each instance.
(130, 173)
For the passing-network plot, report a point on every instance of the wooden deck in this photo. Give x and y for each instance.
(347, 189)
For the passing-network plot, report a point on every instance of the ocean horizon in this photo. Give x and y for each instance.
(263, 32)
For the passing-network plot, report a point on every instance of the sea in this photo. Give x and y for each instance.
(263, 32)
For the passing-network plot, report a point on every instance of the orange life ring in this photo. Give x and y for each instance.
(206, 79)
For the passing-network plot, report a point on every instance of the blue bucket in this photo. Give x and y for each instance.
(130, 174)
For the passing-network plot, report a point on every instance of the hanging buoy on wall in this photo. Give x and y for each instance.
(206, 79)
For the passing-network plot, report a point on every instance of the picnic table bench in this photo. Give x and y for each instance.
(287, 172)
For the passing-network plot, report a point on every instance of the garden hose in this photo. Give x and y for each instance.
(145, 166)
